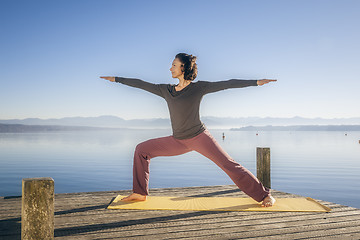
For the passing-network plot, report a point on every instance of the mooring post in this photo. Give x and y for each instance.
(37, 211)
(263, 166)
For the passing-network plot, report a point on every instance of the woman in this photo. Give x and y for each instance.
(189, 133)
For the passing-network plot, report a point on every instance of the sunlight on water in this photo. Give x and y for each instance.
(318, 164)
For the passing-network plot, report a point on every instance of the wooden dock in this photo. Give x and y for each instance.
(84, 216)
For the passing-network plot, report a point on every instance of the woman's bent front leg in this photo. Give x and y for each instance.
(163, 146)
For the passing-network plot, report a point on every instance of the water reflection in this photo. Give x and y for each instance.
(323, 165)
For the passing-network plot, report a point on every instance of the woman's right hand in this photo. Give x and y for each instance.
(111, 79)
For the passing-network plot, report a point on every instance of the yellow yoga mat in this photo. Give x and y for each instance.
(219, 204)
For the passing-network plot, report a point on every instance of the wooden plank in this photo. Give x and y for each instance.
(84, 216)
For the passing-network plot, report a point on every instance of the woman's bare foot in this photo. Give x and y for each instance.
(134, 197)
(268, 201)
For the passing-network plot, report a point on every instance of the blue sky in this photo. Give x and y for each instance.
(53, 52)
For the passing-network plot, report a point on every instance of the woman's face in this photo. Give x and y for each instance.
(176, 68)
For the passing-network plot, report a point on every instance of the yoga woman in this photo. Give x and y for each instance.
(189, 133)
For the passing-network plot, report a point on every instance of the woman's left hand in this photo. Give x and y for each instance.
(111, 79)
(264, 81)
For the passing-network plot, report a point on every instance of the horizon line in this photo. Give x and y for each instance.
(50, 118)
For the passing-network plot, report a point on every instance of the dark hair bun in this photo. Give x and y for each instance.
(189, 65)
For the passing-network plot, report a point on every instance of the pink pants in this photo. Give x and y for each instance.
(205, 144)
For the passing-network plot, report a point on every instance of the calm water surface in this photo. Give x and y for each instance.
(318, 164)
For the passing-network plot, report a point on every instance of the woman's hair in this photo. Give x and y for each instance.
(189, 65)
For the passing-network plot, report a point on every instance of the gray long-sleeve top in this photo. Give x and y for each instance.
(184, 105)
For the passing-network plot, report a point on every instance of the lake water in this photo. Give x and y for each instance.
(318, 164)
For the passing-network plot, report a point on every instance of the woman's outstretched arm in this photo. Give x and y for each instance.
(138, 83)
(210, 87)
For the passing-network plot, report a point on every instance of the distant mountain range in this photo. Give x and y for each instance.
(102, 121)
(12, 128)
(211, 122)
(21, 128)
(301, 128)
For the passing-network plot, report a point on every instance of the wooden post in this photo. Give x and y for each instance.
(37, 211)
(263, 166)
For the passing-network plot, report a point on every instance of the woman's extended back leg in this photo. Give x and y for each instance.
(206, 145)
